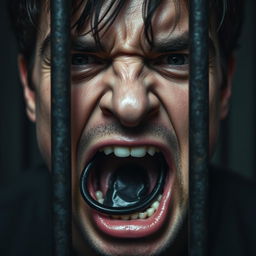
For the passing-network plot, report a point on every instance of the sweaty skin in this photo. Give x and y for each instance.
(127, 94)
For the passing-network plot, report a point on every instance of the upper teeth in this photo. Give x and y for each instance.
(140, 151)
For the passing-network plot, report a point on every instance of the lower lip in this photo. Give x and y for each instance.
(135, 228)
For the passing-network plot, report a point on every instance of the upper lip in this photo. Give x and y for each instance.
(164, 149)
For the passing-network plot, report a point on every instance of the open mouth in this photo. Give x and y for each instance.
(129, 189)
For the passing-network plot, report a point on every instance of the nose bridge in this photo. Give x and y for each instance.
(127, 68)
(130, 96)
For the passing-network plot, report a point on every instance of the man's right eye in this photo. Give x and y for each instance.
(85, 66)
(79, 59)
(177, 59)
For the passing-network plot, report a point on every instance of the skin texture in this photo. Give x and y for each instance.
(121, 98)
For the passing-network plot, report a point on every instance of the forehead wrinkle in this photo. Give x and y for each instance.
(127, 34)
(129, 24)
(128, 67)
(129, 27)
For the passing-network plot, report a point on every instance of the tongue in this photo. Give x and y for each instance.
(127, 186)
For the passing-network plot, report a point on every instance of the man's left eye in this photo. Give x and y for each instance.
(176, 59)
(173, 65)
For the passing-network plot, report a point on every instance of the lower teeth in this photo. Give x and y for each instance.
(140, 215)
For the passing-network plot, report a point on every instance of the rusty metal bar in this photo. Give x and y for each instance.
(60, 121)
(199, 127)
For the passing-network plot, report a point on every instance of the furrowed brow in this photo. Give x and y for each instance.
(175, 43)
(85, 45)
(77, 44)
(178, 43)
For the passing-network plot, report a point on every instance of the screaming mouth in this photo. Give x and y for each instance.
(125, 182)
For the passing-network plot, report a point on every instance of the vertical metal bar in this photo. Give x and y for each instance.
(199, 127)
(60, 121)
(253, 4)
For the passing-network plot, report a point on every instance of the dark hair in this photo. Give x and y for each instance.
(25, 17)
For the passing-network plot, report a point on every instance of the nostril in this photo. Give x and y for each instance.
(131, 114)
(105, 104)
(154, 104)
(129, 105)
(106, 112)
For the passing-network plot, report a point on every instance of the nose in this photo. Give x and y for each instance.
(130, 98)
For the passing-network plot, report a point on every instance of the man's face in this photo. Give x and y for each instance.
(127, 98)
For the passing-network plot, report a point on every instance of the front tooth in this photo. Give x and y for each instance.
(121, 151)
(151, 150)
(142, 215)
(138, 151)
(108, 150)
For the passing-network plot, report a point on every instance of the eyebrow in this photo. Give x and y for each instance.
(178, 43)
(174, 44)
(77, 44)
(83, 44)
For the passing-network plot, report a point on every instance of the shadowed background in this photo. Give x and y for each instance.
(237, 144)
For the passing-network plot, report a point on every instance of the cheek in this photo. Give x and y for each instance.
(175, 101)
(84, 100)
(180, 113)
(78, 114)
(84, 106)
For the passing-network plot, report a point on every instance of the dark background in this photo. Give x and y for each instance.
(237, 144)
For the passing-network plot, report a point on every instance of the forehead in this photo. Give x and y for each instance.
(170, 18)
(129, 25)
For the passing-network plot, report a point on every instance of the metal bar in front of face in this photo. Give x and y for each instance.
(60, 122)
(199, 127)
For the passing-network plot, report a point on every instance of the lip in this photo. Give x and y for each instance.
(139, 227)
(135, 228)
